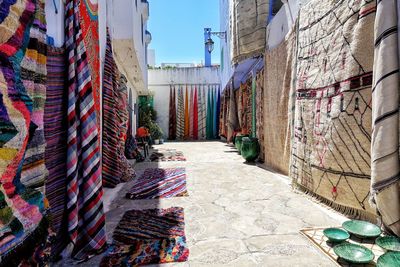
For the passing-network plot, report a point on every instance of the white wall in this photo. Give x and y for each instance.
(226, 62)
(161, 79)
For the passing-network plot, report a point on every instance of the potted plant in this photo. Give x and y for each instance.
(155, 132)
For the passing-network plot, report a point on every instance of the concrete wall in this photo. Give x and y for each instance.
(226, 61)
(161, 79)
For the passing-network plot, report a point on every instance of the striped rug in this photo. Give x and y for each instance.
(148, 237)
(159, 183)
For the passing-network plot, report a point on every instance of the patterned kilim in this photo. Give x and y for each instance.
(385, 179)
(148, 236)
(89, 26)
(22, 96)
(86, 221)
(167, 155)
(159, 183)
(202, 113)
(232, 116)
(172, 114)
(186, 115)
(55, 130)
(180, 116)
(191, 106)
(115, 167)
(260, 112)
(332, 132)
(195, 115)
(316, 236)
(278, 64)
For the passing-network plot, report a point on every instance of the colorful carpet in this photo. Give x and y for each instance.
(159, 183)
(167, 155)
(278, 64)
(331, 150)
(55, 130)
(22, 97)
(317, 238)
(115, 166)
(260, 112)
(172, 114)
(148, 237)
(180, 115)
(85, 215)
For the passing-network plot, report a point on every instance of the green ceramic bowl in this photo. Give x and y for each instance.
(354, 253)
(390, 243)
(362, 228)
(389, 259)
(336, 234)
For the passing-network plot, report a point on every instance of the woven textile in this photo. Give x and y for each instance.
(202, 107)
(84, 186)
(233, 120)
(260, 112)
(278, 64)
(172, 114)
(115, 167)
(191, 112)
(55, 130)
(159, 183)
(148, 236)
(186, 134)
(248, 28)
(319, 240)
(22, 96)
(385, 184)
(332, 132)
(180, 116)
(89, 26)
(195, 115)
(245, 105)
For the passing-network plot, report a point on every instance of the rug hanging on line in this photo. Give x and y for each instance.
(22, 96)
(186, 116)
(172, 114)
(148, 237)
(159, 183)
(332, 119)
(195, 115)
(180, 116)
(202, 111)
(86, 221)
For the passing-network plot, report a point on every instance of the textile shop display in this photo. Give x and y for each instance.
(385, 184)
(245, 108)
(332, 133)
(186, 115)
(159, 183)
(276, 144)
(172, 114)
(320, 241)
(167, 155)
(180, 115)
(55, 130)
(22, 96)
(139, 242)
(202, 108)
(85, 215)
(248, 20)
(260, 113)
(88, 10)
(115, 167)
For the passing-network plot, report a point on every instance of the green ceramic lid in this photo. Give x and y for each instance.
(336, 234)
(354, 253)
(391, 243)
(389, 259)
(362, 228)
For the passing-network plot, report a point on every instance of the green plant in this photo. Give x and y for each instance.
(155, 131)
(147, 115)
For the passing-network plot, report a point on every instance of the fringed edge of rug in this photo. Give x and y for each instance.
(37, 236)
(350, 212)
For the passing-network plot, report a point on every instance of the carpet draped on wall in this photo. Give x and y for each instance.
(233, 118)
(385, 186)
(172, 114)
(202, 107)
(22, 97)
(260, 112)
(332, 132)
(180, 115)
(86, 220)
(278, 64)
(115, 167)
(55, 130)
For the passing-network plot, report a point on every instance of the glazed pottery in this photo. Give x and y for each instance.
(354, 253)
(362, 228)
(336, 234)
(390, 243)
(250, 149)
(389, 259)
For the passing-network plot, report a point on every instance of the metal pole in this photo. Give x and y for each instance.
(207, 54)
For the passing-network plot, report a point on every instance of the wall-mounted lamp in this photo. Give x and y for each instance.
(209, 44)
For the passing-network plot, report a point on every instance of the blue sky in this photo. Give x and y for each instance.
(177, 31)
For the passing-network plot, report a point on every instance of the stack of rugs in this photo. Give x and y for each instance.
(194, 112)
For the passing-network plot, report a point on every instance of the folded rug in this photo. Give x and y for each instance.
(148, 237)
(159, 183)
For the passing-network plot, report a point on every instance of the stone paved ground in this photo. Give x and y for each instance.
(236, 215)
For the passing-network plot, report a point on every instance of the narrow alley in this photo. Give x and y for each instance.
(236, 214)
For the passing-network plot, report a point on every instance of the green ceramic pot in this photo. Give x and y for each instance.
(389, 259)
(390, 243)
(354, 253)
(336, 234)
(250, 148)
(238, 142)
(362, 229)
